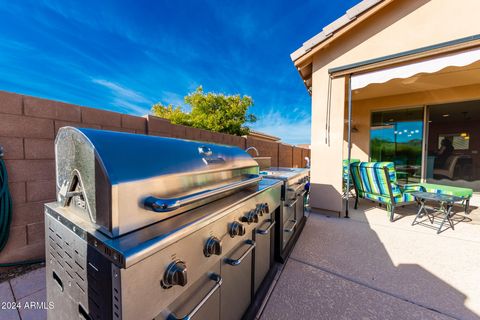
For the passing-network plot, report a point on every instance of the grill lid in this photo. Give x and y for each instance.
(122, 181)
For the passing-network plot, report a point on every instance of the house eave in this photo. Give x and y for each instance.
(303, 57)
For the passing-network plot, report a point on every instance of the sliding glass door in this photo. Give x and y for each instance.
(397, 136)
(453, 152)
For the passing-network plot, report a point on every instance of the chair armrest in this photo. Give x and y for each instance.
(412, 187)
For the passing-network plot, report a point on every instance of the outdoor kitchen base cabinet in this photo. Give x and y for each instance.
(291, 217)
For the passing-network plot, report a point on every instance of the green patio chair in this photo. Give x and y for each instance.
(346, 172)
(377, 181)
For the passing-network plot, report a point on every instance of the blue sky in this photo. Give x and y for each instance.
(126, 55)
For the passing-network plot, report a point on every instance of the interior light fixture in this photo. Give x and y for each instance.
(446, 115)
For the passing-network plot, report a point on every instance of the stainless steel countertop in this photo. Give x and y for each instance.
(137, 245)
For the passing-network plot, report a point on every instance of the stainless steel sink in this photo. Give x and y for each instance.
(283, 173)
(276, 170)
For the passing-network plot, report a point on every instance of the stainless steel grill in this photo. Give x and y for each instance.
(151, 228)
(117, 179)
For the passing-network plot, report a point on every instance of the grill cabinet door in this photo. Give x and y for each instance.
(300, 206)
(264, 249)
(236, 291)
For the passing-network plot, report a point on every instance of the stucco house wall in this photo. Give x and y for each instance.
(398, 27)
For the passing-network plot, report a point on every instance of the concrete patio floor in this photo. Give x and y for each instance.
(24, 297)
(368, 268)
(359, 268)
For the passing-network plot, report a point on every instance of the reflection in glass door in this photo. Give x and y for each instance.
(453, 148)
(397, 136)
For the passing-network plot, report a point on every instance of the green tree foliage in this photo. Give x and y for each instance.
(211, 111)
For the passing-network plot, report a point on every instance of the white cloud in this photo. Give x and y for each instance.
(173, 98)
(130, 107)
(122, 91)
(128, 99)
(293, 130)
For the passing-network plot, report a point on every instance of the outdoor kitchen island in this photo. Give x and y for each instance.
(158, 228)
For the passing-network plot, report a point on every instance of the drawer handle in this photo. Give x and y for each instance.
(266, 231)
(304, 192)
(218, 282)
(295, 189)
(292, 227)
(236, 262)
(291, 204)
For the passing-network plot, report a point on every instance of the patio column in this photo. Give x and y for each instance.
(328, 109)
(349, 141)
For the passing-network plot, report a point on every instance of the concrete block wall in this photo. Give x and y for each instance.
(297, 159)
(28, 126)
(265, 149)
(285, 155)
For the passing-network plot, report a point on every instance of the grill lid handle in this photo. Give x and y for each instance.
(170, 204)
(205, 151)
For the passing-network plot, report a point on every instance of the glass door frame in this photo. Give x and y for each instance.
(426, 116)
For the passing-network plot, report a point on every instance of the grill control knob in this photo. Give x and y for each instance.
(176, 274)
(250, 217)
(236, 229)
(266, 209)
(263, 208)
(260, 209)
(253, 216)
(213, 246)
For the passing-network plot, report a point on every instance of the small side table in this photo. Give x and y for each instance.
(445, 204)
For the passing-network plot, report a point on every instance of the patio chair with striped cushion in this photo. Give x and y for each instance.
(377, 181)
(346, 172)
